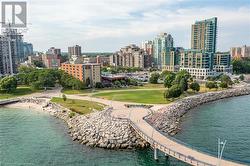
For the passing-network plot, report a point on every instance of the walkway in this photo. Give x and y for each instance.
(146, 131)
(165, 144)
(154, 137)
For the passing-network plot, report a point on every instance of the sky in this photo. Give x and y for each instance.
(108, 25)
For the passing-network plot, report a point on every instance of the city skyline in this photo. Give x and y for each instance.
(108, 25)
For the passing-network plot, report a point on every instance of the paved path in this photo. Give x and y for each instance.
(136, 116)
(145, 130)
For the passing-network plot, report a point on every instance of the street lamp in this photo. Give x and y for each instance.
(221, 146)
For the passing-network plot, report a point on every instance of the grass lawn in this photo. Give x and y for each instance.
(142, 96)
(86, 91)
(79, 106)
(72, 92)
(203, 89)
(18, 92)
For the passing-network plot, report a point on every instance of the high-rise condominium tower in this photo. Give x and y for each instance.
(74, 50)
(204, 34)
(162, 42)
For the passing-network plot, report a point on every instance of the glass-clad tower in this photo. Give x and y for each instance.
(204, 34)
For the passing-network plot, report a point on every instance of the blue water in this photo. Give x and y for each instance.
(33, 138)
(228, 119)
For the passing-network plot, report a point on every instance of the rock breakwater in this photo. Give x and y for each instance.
(167, 119)
(98, 129)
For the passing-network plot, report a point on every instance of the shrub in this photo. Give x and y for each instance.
(226, 79)
(242, 77)
(117, 83)
(72, 114)
(98, 85)
(64, 97)
(194, 86)
(223, 85)
(211, 85)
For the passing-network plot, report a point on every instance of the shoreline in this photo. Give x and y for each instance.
(168, 119)
(97, 129)
(31, 106)
(101, 129)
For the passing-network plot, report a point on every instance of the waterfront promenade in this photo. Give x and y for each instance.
(168, 146)
(157, 140)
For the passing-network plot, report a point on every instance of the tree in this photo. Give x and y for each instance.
(36, 85)
(8, 84)
(64, 97)
(194, 86)
(22, 79)
(173, 92)
(38, 63)
(154, 78)
(25, 69)
(76, 84)
(169, 78)
(164, 74)
(241, 66)
(242, 77)
(47, 78)
(183, 84)
(181, 74)
(211, 85)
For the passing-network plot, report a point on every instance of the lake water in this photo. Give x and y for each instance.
(35, 138)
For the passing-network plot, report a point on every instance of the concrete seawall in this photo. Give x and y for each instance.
(167, 119)
(8, 101)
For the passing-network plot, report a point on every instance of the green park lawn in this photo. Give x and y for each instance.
(72, 92)
(142, 96)
(79, 106)
(18, 92)
(86, 91)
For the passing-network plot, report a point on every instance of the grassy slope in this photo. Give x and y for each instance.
(79, 106)
(18, 92)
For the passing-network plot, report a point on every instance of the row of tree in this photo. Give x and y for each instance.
(177, 83)
(223, 81)
(40, 79)
(241, 66)
(120, 69)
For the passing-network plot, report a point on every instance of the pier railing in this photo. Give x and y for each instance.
(167, 150)
(158, 145)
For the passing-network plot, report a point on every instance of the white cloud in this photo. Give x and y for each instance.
(62, 22)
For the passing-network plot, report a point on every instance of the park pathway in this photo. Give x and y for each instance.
(157, 140)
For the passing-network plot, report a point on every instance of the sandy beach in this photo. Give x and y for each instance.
(30, 105)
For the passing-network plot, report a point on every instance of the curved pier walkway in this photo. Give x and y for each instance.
(167, 145)
(157, 140)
